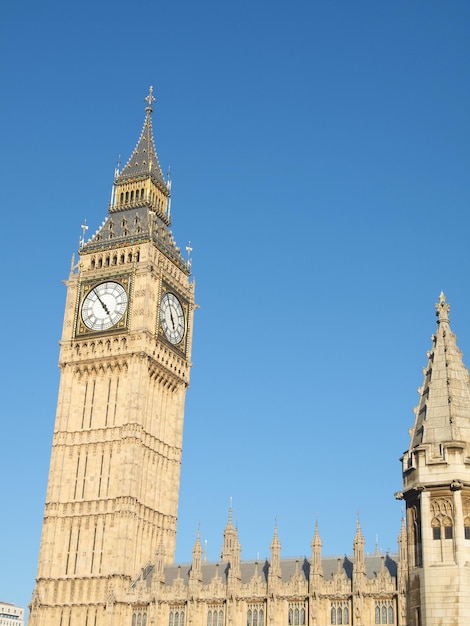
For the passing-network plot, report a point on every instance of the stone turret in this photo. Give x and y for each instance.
(436, 486)
(231, 549)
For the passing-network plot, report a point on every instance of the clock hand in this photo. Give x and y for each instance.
(172, 320)
(102, 303)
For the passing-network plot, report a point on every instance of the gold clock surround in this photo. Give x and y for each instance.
(82, 328)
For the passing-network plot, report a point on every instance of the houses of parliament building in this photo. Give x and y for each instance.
(109, 531)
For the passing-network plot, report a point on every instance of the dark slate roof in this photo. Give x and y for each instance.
(289, 567)
(144, 159)
(135, 225)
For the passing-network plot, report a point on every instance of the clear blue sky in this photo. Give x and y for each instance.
(320, 155)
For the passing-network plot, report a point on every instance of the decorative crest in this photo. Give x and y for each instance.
(150, 98)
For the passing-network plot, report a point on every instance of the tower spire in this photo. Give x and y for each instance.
(143, 162)
(443, 412)
(435, 484)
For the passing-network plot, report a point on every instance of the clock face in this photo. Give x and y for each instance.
(172, 318)
(104, 306)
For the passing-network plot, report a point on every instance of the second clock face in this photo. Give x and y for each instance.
(172, 318)
(104, 306)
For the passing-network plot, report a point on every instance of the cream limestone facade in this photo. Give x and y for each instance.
(108, 541)
(125, 352)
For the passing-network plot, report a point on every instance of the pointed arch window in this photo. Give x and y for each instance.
(176, 617)
(467, 527)
(254, 615)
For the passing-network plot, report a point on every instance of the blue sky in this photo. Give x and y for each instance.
(320, 163)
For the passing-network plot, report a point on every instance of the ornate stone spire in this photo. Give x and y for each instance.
(231, 543)
(316, 546)
(443, 412)
(275, 565)
(358, 547)
(196, 566)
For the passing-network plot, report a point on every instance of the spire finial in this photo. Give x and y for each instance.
(84, 228)
(442, 309)
(150, 98)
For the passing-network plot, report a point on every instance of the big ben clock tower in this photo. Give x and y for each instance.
(112, 495)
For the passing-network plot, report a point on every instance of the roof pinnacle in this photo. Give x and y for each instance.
(150, 98)
(442, 309)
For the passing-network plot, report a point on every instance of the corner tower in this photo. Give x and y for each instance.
(112, 496)
(436, 487)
